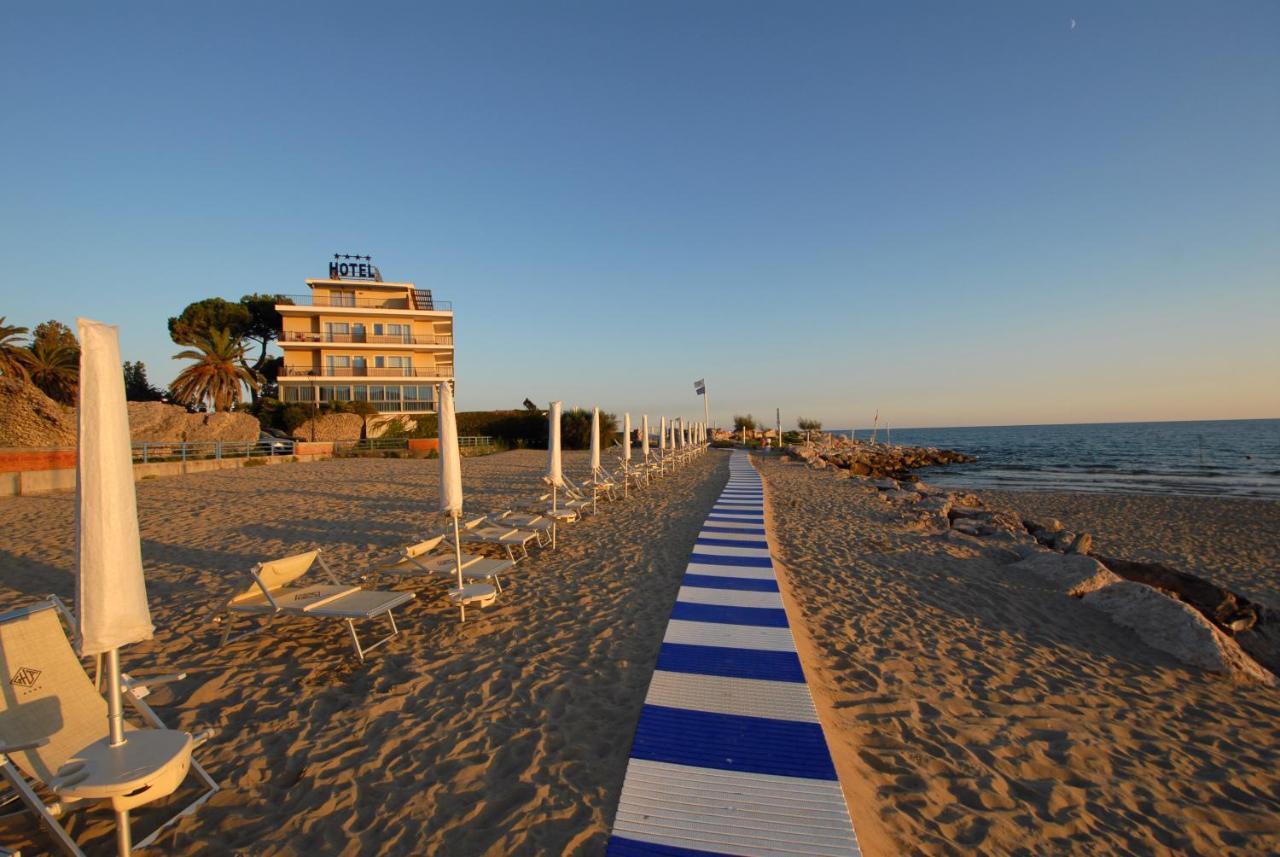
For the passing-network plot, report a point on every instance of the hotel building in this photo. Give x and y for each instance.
(357, 338)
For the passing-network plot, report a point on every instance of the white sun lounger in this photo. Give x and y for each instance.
(53, 719)
(530, 521)
(484, 531)
(417, 560)
(271, 595)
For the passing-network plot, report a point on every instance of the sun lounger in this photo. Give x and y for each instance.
(418, 560)
(530, 521)
(484, 531)
(271, 595)
(53, 723)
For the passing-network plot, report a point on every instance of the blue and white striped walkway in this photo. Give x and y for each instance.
(728, 756)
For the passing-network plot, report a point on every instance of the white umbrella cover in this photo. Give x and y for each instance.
(595, 443)
(662, 435)
(554, 471)
(450, 458)
(644, 437)
(451, 481)
(626, 437)
(111, 593)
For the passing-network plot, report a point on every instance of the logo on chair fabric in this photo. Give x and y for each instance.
(25, 677)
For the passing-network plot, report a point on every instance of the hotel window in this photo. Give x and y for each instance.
(377, 330)
(377, 394)
(361, 393)
(399, 330)
(400, 362)
(338, 363)
(337, 328)
(342, 298)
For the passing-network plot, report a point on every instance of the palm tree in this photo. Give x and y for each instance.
(218, 372)
(54, 367)
(14, 359)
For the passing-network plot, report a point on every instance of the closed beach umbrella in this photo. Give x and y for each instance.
(644, 437)
(451, 480)
(595, 443)
(626, 452)
(555, 475)
(662, 435)
(111, 593)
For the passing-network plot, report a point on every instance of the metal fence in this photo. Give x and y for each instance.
(152, 451)
(149, 451)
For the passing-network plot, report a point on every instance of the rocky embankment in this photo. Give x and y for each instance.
(30, 419)
(1198, 622)
(876, 460)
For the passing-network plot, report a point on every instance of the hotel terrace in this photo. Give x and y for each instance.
(356, 338)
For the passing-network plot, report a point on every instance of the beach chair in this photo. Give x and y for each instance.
(419, 561)
(590, 491)
(483, 531)
(53, 719)
(530, 521)
(271, 595)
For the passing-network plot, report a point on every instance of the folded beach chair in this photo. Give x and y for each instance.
(51, 713)
(566, 498)
(423, 560)
(591, 491)
(271, 595)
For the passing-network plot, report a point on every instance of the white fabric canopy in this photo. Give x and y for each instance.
(554, 471)
(626, 437)
(595, 440)
(111, 593)
(662, 434)
(450, 458)
(644, 437)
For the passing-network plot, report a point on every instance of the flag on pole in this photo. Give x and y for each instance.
(700, 387)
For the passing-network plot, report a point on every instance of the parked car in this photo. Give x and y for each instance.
(273, 441)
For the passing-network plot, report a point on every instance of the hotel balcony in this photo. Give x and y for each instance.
(367, 372)
(297, 337)
(402, 301)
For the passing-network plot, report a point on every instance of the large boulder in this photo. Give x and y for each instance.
(1174, 627)
(156, 421)
(29, 418)
(1074, 574)
(331, 427)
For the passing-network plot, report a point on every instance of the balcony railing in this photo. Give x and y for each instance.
(306, 336)
(368, 372)
(401, 302)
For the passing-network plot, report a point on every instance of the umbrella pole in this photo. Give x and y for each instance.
(115, 726)
(554, 517)
(457, 558)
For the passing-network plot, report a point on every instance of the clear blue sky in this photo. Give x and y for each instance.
(954, 213)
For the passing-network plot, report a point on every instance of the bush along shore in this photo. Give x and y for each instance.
(1198, 622)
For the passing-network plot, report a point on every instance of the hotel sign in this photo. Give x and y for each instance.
(348, 267)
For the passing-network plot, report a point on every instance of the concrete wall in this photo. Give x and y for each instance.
(30, 482)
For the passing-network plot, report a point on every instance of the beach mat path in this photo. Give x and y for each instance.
(728, 756)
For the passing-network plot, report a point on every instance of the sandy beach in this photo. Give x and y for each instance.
(508, 735)
(969, 710)
(974, 710)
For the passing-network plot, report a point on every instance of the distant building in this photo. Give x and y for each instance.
(357, 338)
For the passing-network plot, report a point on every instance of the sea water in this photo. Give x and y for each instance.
(1234, 458)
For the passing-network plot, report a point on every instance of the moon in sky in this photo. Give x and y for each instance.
(1073, 23)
